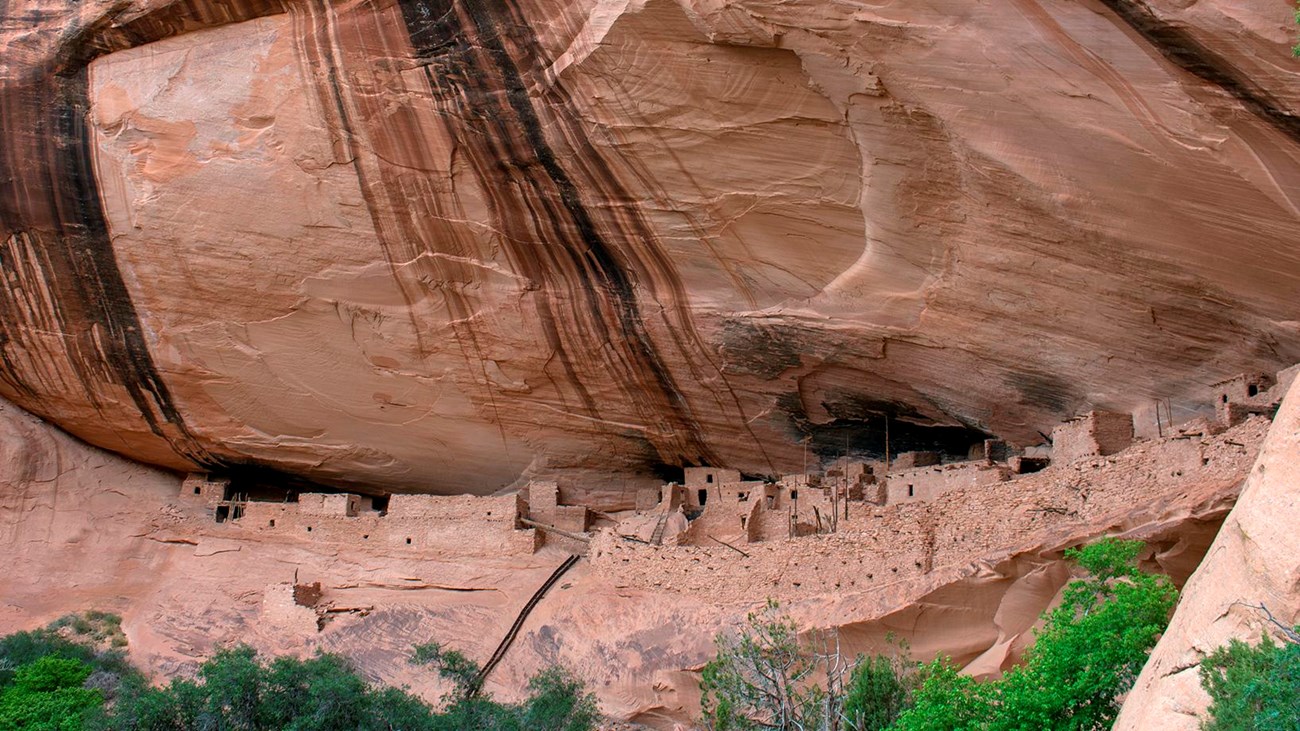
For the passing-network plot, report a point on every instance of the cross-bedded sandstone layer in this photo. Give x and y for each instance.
(434, 245)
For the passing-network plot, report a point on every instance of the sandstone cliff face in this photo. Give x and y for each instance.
(1255, 560)
(435, 245)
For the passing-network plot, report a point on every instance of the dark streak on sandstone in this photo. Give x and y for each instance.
(1189, 54)
(50, 204)
(476, 54)
(59, 279)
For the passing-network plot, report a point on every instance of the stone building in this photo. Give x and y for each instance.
(1096, 433)
(699, 480)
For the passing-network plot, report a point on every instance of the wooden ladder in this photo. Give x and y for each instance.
(519, 623)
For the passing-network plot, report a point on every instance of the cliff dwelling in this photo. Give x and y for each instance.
(566, 335)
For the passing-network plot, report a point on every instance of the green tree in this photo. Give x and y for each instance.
(1093, 645)
(1253, 688)
(557, 701)
(879, 689)
(766, 677)
(237, 691)
(1088, 654)
(47, 695)
(948, 701)
(760, 677)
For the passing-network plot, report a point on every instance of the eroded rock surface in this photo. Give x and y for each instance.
(1254, 562)
(433, 245)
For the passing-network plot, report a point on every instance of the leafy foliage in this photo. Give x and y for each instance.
(758, 679)
(879, 689)
(764, 677)
(56, 678)
(557, 700)
(1088, 654)
(948, 701)
(1090, 651)
(1253, 687)
(1295, 50)
(47, 695)
(59, 679)
(236, 691)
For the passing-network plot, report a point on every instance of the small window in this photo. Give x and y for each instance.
(408, 541)
(702, 496)
(794, 494)
(743, 497)
(198, 490)
(742, 521)
(1252, 390)
(709, 479)
(911, 491)
(309, 529)
(1225, 398)
(365, 537)
(272, 522)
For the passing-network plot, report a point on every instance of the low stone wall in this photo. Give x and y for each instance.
(415, 522)
(928, 483)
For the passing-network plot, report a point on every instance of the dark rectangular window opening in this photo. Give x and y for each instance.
(911, 491)
(702, 495)
(223, 512)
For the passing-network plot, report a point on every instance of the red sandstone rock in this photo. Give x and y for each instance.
(433, 245)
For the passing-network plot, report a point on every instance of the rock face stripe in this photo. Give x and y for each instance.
(54, 238)
(56, 233)
(1187, 53)
(477, 56)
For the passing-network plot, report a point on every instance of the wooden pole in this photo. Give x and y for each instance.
(728, 545)
(886, 443)
(557, 531)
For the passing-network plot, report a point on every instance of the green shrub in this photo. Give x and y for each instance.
(1253, 688)
(47, 695)
(766, 677)
(236, 690)
(879, 689)
(54, 680)
(760, 678)
(557, 701)
(1295, 50)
